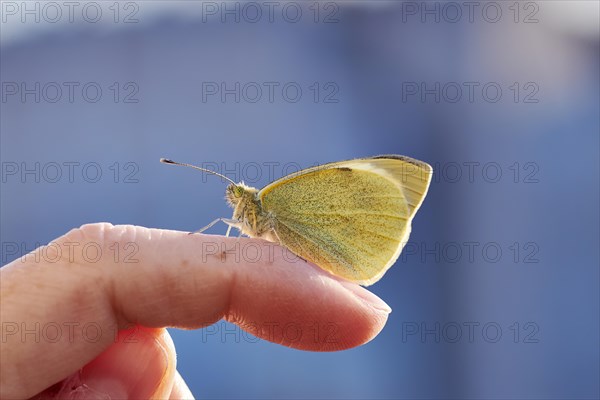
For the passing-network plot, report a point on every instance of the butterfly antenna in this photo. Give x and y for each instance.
(167, 161)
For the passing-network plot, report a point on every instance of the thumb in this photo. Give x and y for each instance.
(140, 364)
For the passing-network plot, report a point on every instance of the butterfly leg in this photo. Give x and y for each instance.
(206, 227)
(277, 236)
(232, 223)
(228, 221)
(229, 231)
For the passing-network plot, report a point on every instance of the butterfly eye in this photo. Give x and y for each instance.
(235, 191)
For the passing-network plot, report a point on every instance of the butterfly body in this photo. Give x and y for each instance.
(248, 214)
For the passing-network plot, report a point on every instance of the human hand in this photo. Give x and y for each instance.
(85, 315)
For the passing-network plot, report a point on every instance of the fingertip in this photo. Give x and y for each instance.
(140, 364)
(296, 304)
(180, 391)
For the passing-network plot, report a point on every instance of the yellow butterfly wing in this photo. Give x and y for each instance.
(351, 218)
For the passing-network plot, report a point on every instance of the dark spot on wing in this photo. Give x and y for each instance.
(345, 169)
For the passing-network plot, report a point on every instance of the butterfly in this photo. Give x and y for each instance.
(351, 218)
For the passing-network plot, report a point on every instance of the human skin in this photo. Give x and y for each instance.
(140, 282)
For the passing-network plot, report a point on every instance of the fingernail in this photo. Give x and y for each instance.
(73, 388)
(131, 368)
(367, 297)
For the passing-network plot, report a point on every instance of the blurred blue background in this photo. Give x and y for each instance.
(497, 293)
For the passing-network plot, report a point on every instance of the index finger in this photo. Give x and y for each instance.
(160, 278)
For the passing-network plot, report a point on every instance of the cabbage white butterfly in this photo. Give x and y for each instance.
(352, 218)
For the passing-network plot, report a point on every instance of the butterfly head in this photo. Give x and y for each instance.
(239, 193)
